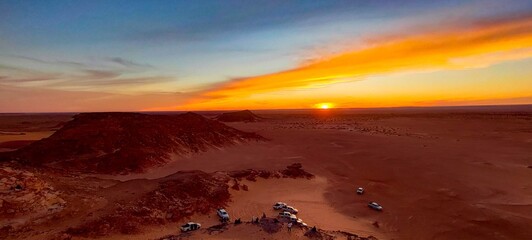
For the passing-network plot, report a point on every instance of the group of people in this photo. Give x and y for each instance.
(256, 221)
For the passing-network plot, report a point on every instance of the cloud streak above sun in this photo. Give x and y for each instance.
(476, 45)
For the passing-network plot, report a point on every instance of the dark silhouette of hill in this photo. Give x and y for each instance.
(127, 142)
(240, 116)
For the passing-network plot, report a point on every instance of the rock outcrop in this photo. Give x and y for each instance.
(176, 197)
(240, 116)
(22, 193)
(112, 143)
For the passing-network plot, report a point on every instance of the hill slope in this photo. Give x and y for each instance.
(240, 116)
(127, 142)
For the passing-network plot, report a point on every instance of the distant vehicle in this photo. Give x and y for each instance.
(285, 214)
(290, 209)
(360, 191)
(291, 217)
(375, 206)
(190, 226)
(224, 216)
(279, 205)
(300, 222)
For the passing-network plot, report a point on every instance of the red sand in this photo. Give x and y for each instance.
(438, 175)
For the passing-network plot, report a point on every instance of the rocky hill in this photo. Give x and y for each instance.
(240, 116)
(170, 199)
(127, 142)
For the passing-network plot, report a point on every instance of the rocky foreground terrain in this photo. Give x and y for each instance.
(22, 193)
(269, 228)
(32, 201)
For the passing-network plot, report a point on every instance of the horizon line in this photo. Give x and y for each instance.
(298, 109)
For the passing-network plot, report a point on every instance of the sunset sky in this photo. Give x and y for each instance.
(111, 55)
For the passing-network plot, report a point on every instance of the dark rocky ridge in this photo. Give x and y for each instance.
(240, 116)
(113, 143)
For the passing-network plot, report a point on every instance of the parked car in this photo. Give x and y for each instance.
(360, 191)
(190, 226)
(300, 222)
(224, 216)
(293, 218)
(285, 214)
(288, 215)
(279, 205)
(375, 206)
(290, 209)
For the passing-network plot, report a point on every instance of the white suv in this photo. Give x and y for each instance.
(375, 206)
(300, 222)
(288, 215)
(293, 218)
(224, 216)
(290, 209)
(190, 226)
(279, 205)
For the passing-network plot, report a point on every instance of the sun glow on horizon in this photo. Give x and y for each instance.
(325, 105)
(443, 51)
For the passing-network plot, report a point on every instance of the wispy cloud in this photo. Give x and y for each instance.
(52, 62)
(107, 74)
(100, 74)
(18, 75)
(108, 62)
(9, 68)
(99, 83)
(129, 63)
(31, 79)
(29, 99)
(479, 44)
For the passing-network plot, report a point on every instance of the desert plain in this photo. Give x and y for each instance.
(439, 173)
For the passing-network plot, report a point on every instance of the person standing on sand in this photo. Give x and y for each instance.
(289, 227)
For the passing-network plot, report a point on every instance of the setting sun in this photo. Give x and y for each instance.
(324, 105)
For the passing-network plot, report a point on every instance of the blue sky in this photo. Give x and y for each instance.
(151, 47)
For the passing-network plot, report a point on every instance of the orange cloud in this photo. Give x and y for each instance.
(480, 45)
